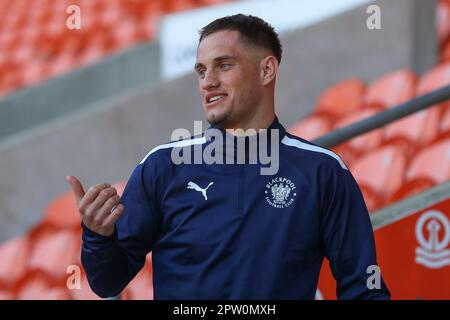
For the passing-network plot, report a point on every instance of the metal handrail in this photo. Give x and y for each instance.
(382, 118)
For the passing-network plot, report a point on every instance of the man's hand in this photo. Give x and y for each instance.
(99, 207)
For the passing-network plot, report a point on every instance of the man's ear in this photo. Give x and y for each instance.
(269, 68)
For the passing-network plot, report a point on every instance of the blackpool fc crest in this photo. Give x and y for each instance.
(280, 192)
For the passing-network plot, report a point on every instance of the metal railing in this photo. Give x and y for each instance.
(416, 202)
(380, 119)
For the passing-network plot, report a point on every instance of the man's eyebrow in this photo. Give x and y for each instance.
(218, 59)
(225, 57)
(198, 65)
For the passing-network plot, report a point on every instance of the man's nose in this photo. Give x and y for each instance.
(209, 81)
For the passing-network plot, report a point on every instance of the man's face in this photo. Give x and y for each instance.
(229, 78)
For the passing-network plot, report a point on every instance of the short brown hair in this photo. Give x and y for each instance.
(253, 29)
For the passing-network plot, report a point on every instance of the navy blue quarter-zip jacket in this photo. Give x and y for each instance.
(225, 231)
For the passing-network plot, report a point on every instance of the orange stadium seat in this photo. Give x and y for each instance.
(410, 188)
(109, 14)
(33, 72)
(391, 89)
(148, 19)
(14, 255)
(179, 5)
(10, 79)
(429, 167)
(342, 98)
(444, 55)
(53, 251)
(313, 126)
(63, 212)
(418, 129)
(126, 33)
(365, 142)
(4, 88)
(445, 124)
(381, 170)
(443, 20)
(30, 34)
(38, 286)
(61, 64)
(372, 198)
(432, 162)
(422, 127)
(23, 53)
(347, 154)
(436, 78)
(8, 38)
(93, 50)
(6, 295)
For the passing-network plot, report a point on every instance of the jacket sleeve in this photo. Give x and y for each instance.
(348, 239)
(112, 262)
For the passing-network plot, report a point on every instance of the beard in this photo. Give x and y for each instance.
(219, 118)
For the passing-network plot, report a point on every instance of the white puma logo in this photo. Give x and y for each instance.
(193, 185)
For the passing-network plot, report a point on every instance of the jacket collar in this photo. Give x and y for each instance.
(244, 147)
(274, 126)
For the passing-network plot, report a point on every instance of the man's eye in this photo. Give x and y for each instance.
(225, 65)
(201, 73)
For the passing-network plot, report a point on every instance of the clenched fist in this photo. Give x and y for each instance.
(99, 207)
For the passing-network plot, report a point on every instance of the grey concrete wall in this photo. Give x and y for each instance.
(104, 141)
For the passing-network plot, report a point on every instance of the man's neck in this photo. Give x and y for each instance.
(253, 126)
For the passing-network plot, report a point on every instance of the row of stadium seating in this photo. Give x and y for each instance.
(399, 159)
(35, 266)
(36, 44)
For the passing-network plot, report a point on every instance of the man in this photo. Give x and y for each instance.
(226, 231)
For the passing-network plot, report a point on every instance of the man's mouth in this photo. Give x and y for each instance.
(214, 99)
